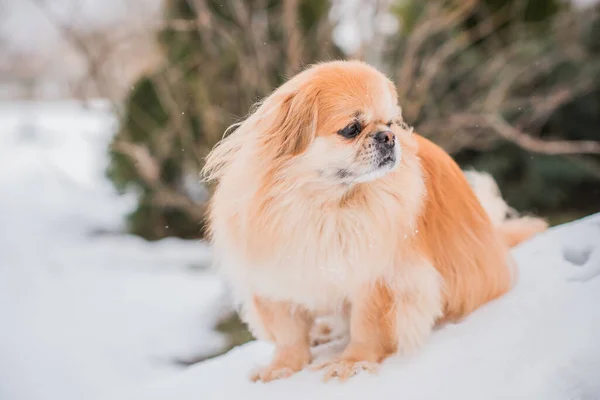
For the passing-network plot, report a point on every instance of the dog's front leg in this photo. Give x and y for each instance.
(386, 319)
(372, 333)
(288, 326)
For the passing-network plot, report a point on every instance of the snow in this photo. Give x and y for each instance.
(84, 313)
(540, 341)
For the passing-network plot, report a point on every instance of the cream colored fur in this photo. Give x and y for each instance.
(306, 222)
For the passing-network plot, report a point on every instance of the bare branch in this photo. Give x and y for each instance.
(428, 27)
(290, 16)
(453, 46)
(530, 143)
(149, 171)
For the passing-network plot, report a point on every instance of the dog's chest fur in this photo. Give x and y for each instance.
(296, 249)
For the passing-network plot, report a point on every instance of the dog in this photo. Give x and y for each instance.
(327, 202)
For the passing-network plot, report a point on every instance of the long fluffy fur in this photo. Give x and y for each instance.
(401, 251)
(513, 228)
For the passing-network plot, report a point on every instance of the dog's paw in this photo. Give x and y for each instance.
(321, 334)
(270, 373)
(345, 369)
(328, 329)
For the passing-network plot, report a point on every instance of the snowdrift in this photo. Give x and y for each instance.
(541, 341)
(89, 315)
(84, 312)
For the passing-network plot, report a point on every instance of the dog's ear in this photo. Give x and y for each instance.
(293, 124)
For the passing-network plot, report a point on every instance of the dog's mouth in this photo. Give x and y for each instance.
(379, 165)
(344, 174)
(387, 161)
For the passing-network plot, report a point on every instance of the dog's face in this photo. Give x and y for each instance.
(338, 122)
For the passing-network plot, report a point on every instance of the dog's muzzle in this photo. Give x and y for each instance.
(385, 143)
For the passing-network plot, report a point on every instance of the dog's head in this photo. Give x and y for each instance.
(336, 122)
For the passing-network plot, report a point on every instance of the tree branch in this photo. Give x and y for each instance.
(510, 133)
(149, 171)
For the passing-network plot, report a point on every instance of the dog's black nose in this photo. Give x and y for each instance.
(385, 138)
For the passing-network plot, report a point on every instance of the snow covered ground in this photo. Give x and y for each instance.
(86, 316)
(539, 342)
(83, 314)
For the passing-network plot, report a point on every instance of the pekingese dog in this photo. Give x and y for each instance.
(327, 201)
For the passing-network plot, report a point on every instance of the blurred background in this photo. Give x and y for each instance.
(108, 107)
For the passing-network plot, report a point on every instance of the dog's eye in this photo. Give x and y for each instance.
(351, 130)
(389, 124)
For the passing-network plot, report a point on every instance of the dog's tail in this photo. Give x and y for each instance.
(513, 228)
(518, 230)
